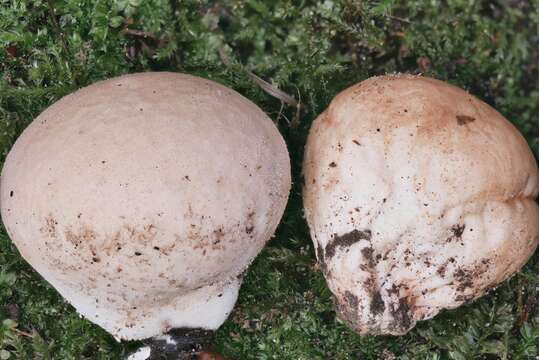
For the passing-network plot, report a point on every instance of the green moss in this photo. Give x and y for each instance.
(311, 50)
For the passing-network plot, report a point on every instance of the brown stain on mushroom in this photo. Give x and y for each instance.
(400, 308)
(204, 233)
(442, 270)
(321, 257)
(464, 119)
(141, 236)
(215, 240)
(249, 224)
(328, 185)
(456, 232)
(218, 236)
(144, 236)
(83, 236)
(466, 277)
(347, 309)
(346, 240)
(49, 228)
(327, 119)
(377, 303)
(401, 313)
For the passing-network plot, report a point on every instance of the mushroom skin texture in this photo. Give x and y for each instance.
(144, 198)
(419, 197)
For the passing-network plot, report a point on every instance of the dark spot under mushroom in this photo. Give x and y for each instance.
(332, 164)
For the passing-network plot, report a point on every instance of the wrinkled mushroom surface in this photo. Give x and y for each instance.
(142, 199)
(419, 197)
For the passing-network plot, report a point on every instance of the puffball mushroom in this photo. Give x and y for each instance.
(419, 197)
(143, 199)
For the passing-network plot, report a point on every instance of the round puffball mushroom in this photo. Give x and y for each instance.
(419, 197)
(144, 198)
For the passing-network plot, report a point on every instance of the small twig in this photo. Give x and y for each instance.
(272, 90)
(141, 33)
(280, 113)
(295, 120)
(55, 24)
(267, 87)
(23, 333)
(521, 308)
(288, 122)
(224, 57)
(147, 49)
(52, 15)
(399, 19)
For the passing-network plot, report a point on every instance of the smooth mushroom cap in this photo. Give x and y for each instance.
(142, 199)
(419, 197)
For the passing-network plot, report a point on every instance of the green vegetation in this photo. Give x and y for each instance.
(310, 50)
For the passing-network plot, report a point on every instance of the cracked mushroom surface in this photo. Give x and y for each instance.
(143, 199)
(419, 197)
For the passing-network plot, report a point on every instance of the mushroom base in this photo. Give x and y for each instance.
(205, 308)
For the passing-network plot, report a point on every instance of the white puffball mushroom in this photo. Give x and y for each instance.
(419, 197)
(143, 199)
